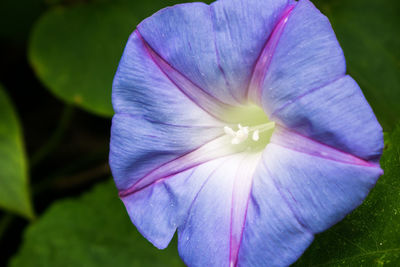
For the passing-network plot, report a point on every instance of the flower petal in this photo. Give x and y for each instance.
(156, 178)
(182, 36)
(241, 29)
(159, 209)
(272, 235)
(212, 232)
(141, 87)
(337, 115)
(319, 183)
(139, 146)
(306, 56)
(155, 122)
(175, 201)
(214, 46)
(297, 193)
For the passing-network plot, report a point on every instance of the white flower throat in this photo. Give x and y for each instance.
(247, 128)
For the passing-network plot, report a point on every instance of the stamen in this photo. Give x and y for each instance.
(242, 133)
(256, 136)
(229, 131)
(239, 136)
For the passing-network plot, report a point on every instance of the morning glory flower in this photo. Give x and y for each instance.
(236, 126)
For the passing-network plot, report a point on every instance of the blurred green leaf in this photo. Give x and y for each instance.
(93, 230)
(75, 52)
(369, 33)
(14, 190)
(370, 236)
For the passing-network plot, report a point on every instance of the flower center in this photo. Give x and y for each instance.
(253, 129)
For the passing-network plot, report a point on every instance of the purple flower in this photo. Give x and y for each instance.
(237, 126)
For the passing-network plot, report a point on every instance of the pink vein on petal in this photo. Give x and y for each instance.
(241, 191)
(214, 149)
(198, 96)
(297, 142)
(264, 60)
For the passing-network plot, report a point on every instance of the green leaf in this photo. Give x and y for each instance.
(368, 31)
(75, 52)
(14, 189)
(93, 230)
(370, 236)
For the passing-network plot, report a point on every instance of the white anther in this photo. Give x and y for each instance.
(229, 131)
(239, 136)
(256, 135)
(242, 133)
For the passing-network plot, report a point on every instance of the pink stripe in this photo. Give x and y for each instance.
(217, 148)
(240, 201)
(243, 181)
(197, 95)
(297, 142)
(264, 60)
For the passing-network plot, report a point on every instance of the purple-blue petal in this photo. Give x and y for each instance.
(319, 190)
(307, 56)
(155, 122)
(337, 115)
(297, 194)
(241, 29)
(212, 233)
(272, 234)
(203, 240)
(182, 36)
(141, 87)
(159, 209)
(139, 146)
(214, 46)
